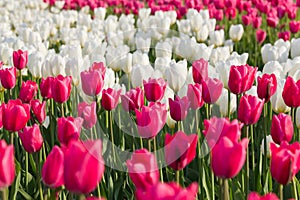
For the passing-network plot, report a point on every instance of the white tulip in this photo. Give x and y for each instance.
(114, 55)
(127, 63)
(230, 44)
(163, 49)
(204, 14)
(283, 49)
(184, 26)
(140, 73)
(170, 122)
(161, 63)
(219, 54)
(73, 68)
(140, 58)
(196, 22)
(222, 102)
(201, 51)
(277, 101)
(176, 74)
(236, 32)
(144, 13)
(274, 67)
(295, 50)
(6, 54)
(109, 78)
(143, 44)
(269, 53)
(35, 63)
(172, 15)
(262, 146)
(100, 13)
(191, 12)
(202, 34)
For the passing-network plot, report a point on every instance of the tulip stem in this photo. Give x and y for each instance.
(228, 105)
(212, 184)
(295, 189)
(237, 105)
(225, 189)
(149, 145)
(112, 135)
(265, 142)
(247, 163)
(178, 177)
(26, 170)
(62, 109)
(252, 152)
(12, 138)
(141, 143)
(4, 194)
(281, 191)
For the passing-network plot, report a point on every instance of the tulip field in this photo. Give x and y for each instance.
(149, 100)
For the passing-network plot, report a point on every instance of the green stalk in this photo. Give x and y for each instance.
(62, 109)
(26, 170)
(265, 142)
(178, 177)
(247, 163)
(149, 145)
(112, 135)
(295, 191)
(228, 105)
(4, 194)
(225, 190)
(281, 192)
(252, 152)
(212, 184)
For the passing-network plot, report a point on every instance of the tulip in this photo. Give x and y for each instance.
(53, 168)
(294, 48)
(285, 161)
(194, 95)
(217, 37)
(250, 109)
(216, 128)
(1, 111)
(266, 86)
(61, 88)
(230, 13)
(92, 82)
(285, 35)
(100, 67)
(272, 21)
(110, 98)
(139, 73)
(88, 114)
(176, 74)
(236, 32)
(68, 129)
(28, 91)
(291, 92)
(39, 110)
(31, 138)
(256, 23)
(294, 26)
(211, 90)
(228, 157)
(133, 99)
(79, 157)
(269, 140)
(179, 107)
(277, 101)
(45, 87)
(168, 191)
(154, 89)
(260, 36)
(7, 165)
(15, 115)
(255, 196)
(200, 70)
(180, 149)
(8, 77)
(151, 119)
(20, 59)
(143, 169)
(241, 78)
(246, 20)
(282, 128)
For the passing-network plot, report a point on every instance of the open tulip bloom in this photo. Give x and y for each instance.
(149, 99)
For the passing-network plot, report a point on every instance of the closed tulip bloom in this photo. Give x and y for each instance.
(7, 164)
(31, 138)
(179, 108)
(8, 77)
(143, 169)
(285, 35)
(282, 128)
(45, 87)
(88, 113)
(291, 92)
(154, 89)
(100, 67)
(92, 82)
(68, 129)
(151, 119)
(20, 59)
(39, 110)
(28, 91)
(256, 196)
(79, 157)
(61, 88)
(257, 21)
(285, 161)
(133, 99)
(15, 115)
(176, 74)
(200, 70)
(180, 149)
(246, 19)
(294, 26)
(241, 78)
(216, 128)
(250, 109)
(168, 191)
(53, 168)
(236, 32)
(194, 95)
(266, 86)
(110, 98)
(228, 157)
(211, 90)
(260, 36)
(272, 21)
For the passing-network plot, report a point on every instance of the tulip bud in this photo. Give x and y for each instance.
(211, 90)
(291, 92)
(92, 82)
(45, 87)
(260, 36)
(28, 91)
(194, 95)
(110, 98)
(200, 70)
(256, 196)
(133, 99)
(282, 128)
(39, 110)
(294, 26)
(262, 145)
(236, 32)
(8, 77)
(68, 129)
(179, 108)
(61, 88)
(154, 89)
(266, 86)
(176, 74)
(31, 138)
(20, 59)
(250, 109)
(7, 164)
(88, 114)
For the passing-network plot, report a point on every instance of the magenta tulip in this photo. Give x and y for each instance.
(68, 129)
(28, 91)
(1, 111)
(45, 87)
(260, 36)
(294, 26)
(291, 92)
(154, 89)
(88, 113)
(200, 70)
(15, 115)
(250, 109)
(99, 66)
(282, 128)
(211, 90)
(92, 82)
(31, 138)
(179, 108)
(255, 196)
(143, 169)
(79, 157)
(7, 165)
(20, 59)
(53, 168)
(133, 99)
(194, 95)
(110, 98)
(61, 88)
(8, 77)
(180, 149)
(266, 86)
(39, 110)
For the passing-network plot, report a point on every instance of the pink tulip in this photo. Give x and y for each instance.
(99, 67)
(92, 82)
(31, 138)
(68, 129)
(15, 115)
(28, 91)
(285, 35)
(285, 161)
(110, 98)
(255, 196)
(180, 149)
(194, 95)
(200, 70)
(39, 110)
(143, 169)
(294, 26)
(291, 92)
(80, 156)
(151, 119)
(20, 59)
(250, 109)
(266, 86)
(272, 21)
(228, 157)
(211, 90)
(8, 77)
(256, 22)
(61, 88)
(133, 99)
(7, 165)
(88, 114)
(260, 36)
(53, 168)
(154, 89)
(179, 108)
(45, 87)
